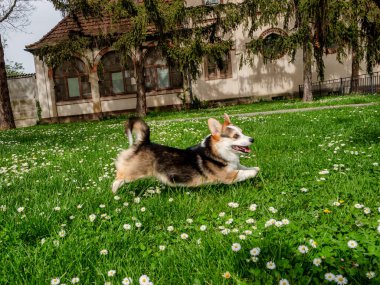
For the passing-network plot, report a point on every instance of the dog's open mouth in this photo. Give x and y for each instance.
(244, 149)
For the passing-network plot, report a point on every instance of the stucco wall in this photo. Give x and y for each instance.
(257, 79)
(23, 92)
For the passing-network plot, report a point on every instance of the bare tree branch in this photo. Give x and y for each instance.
(9, 12)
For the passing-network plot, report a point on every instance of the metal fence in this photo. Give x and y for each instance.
(366, 83)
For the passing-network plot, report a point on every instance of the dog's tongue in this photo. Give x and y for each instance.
(243, 149)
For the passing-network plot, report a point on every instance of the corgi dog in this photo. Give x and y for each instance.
(214, 160)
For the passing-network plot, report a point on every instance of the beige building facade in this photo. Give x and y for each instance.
(96, 84)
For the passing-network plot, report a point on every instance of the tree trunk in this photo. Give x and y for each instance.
(355, 67)
(307, 63)
(141, 108)
(6, 116)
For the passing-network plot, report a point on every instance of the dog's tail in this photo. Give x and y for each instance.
(136, 126)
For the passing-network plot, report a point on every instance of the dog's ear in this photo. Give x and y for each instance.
(227, 121)
(215, 127)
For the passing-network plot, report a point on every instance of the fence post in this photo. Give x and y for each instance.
(341, 86)
(372, 87)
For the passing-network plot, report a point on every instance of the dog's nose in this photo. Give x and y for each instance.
(251, 140)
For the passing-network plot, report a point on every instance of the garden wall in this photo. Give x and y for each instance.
(23, 94)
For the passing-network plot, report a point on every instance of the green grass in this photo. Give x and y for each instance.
(72, 164)
(266, 106)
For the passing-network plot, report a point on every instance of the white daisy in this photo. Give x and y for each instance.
(329, 276)
(162, 247)
(111, 273)
(236, 246)
(127, 227)
(143, 209)
(317, 261)
(303, 189)
(352, 244)
(358, 206)
(138, 225)
(254, 258)
(170, 228)
(75, 280)
(222, 214)
(367, 210)
(144, 280)
(242, 237)
(278, 224)
(272, 210)
(189, 221)
(271, 265)
(285, 221)
(184, 236)
(92, 217)
(313, 243)
(137, 200)
(370, 274)
(250, 221)
(103, 252)
(324, 171)
(233, 204)
(255, 251)
(303, 249)
(20, 210)
(127, 281)
(341, 280)
(55, 281)
(62, 233)
(57, 209)
(253, 207)
(203, 228)
(283, 282)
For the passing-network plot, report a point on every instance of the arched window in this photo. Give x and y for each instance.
(115, 77)
(272, 43)
(71, 81)
(159, 75)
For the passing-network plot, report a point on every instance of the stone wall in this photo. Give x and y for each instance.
(23, 94)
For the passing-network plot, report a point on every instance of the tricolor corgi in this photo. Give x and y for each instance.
(214, 160)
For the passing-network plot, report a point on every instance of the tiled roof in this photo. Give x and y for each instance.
(87, 26)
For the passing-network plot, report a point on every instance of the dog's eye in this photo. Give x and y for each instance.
(236, 136)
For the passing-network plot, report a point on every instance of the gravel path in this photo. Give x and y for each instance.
(280, 111)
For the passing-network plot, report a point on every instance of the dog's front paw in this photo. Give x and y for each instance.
(256, 168)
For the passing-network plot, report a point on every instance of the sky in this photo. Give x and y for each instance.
(42, 20)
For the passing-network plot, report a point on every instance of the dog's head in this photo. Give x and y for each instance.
(229, 138)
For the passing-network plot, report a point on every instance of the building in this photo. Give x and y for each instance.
(95, 83)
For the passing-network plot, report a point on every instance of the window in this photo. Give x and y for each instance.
(71, 81)
(218, 68)
(116, 78)
(212, 2)
(159, 75)
(272, 43)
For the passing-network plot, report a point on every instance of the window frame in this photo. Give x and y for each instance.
(65, 76)
(117, 69)
(155, 67)
(276, 31)
(219, 74)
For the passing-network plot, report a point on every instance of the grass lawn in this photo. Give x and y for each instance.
(314, 209)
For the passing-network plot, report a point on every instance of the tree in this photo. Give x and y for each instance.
(184, 34)
(13, 15)
(14, 68)
(311, 25)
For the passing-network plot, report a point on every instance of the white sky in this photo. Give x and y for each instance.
(42, 20)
